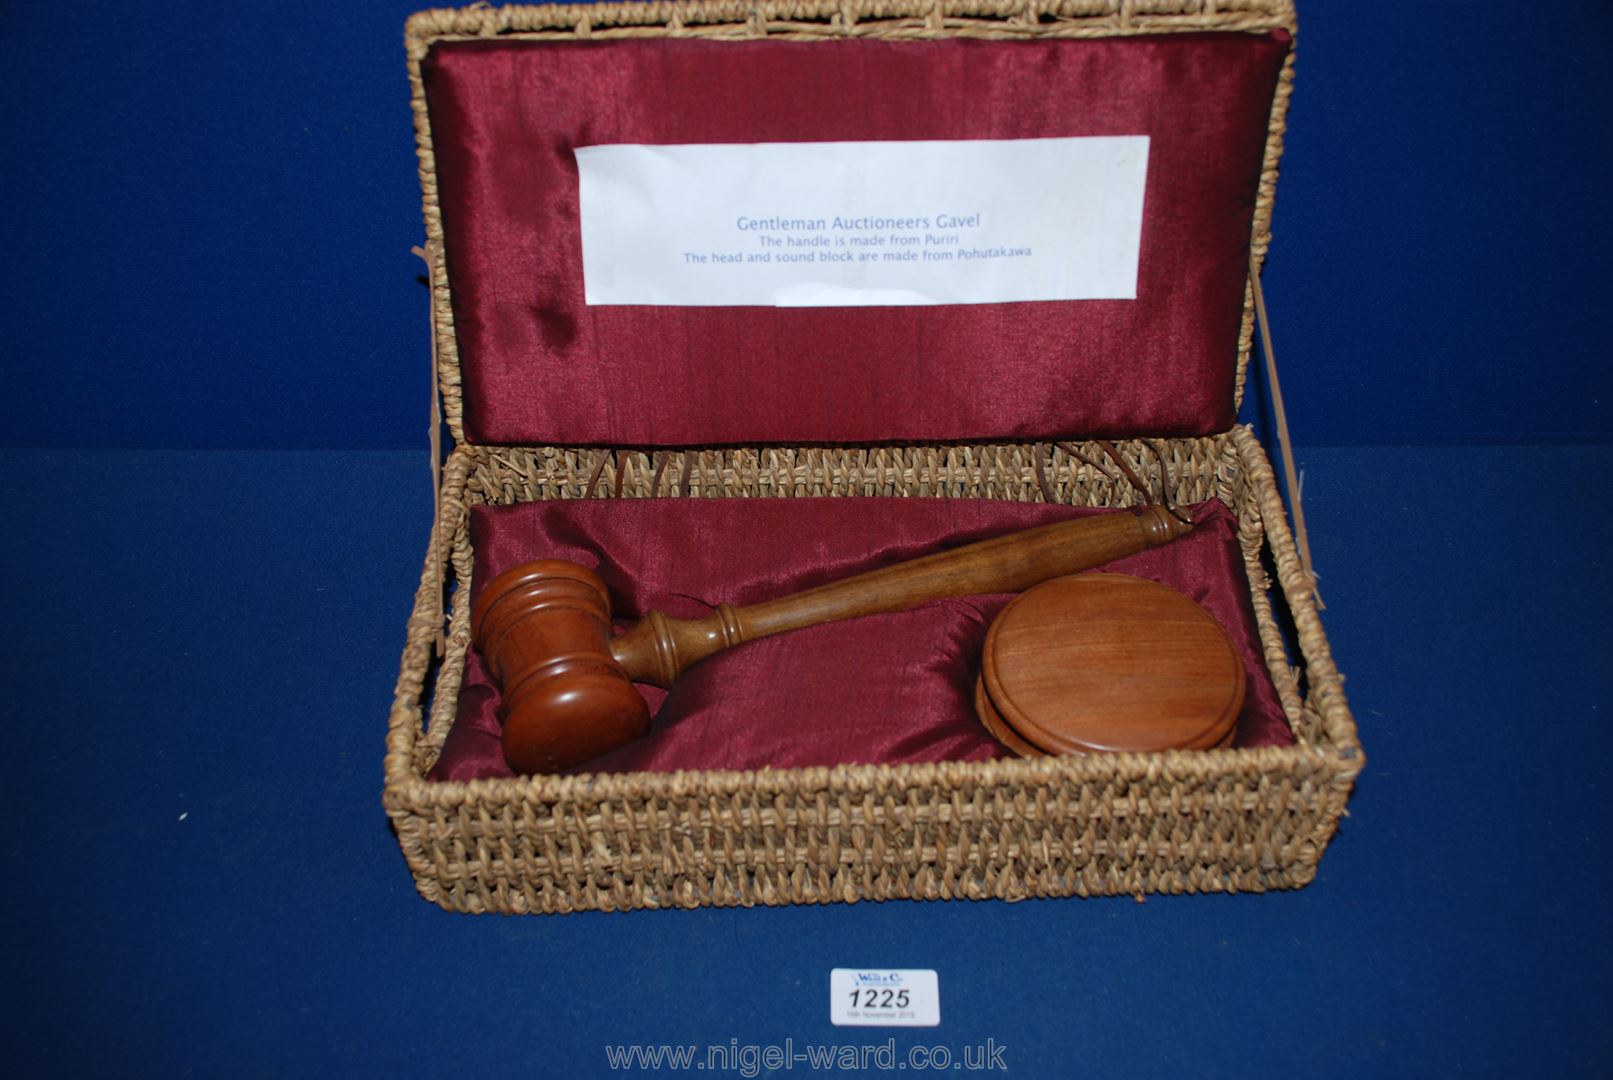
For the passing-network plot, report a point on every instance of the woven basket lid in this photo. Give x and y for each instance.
(1106, 662)
(513, 325)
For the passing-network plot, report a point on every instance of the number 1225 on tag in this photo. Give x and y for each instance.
(867, 997)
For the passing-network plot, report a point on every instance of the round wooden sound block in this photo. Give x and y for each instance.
(1105, 662)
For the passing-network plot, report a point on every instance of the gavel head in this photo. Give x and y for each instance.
(544, 628)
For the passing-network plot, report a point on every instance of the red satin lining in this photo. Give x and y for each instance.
(542, 367)
(888, 689)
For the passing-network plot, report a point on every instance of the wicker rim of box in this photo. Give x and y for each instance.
(1223, 820)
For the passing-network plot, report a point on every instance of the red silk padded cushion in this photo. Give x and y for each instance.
(542, 367)
(887, 689)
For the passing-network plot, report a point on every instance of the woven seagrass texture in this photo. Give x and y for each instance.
(823, 20)
(1208, 821)
(1204, 821)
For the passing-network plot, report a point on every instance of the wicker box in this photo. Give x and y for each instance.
(1208, 821)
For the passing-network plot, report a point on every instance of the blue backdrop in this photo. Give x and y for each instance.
(212, 209)
(209, 214)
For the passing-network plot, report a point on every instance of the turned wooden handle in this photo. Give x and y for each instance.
(658, 649)
(566, 688)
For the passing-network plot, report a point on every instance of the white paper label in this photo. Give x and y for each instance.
(860, 997)
(859, 224)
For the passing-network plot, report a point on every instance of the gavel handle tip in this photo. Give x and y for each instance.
(1162, 524)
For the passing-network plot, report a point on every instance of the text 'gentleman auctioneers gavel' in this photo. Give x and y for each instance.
(567, 694)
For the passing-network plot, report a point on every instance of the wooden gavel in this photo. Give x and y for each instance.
(567, 685)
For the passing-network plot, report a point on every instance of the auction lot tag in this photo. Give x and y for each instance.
(871, 997)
